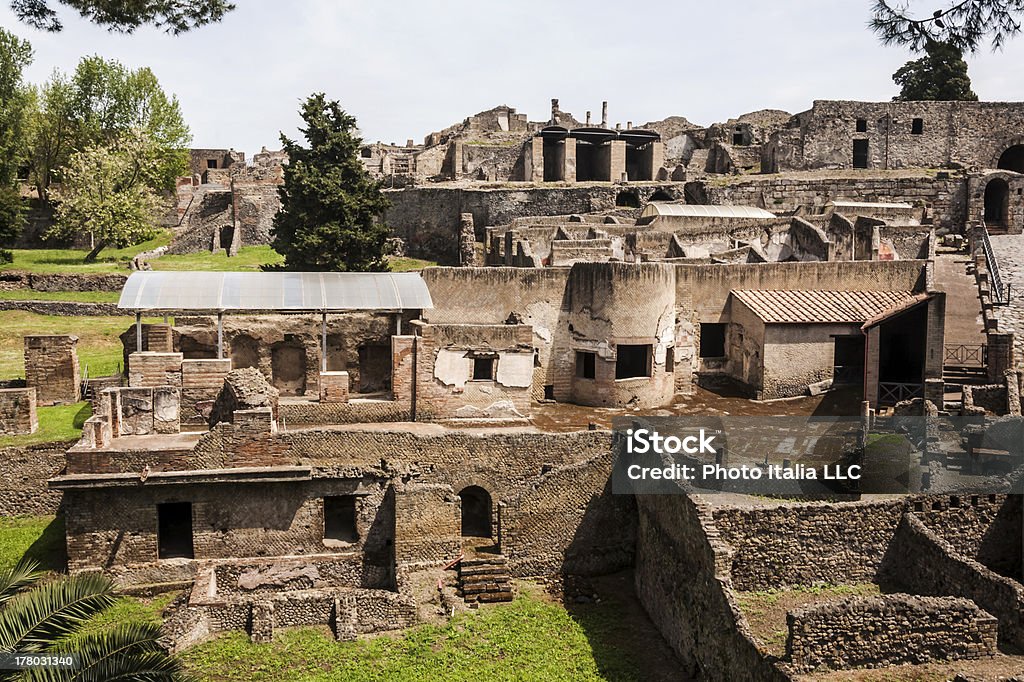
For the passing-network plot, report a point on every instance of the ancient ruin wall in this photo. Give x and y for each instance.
(23, 475)
(807, 543)
(918, 560)
(894, 629)
(568, 521)
(945, 197)
(682, 577)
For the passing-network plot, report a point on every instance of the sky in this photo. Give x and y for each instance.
(406, 68)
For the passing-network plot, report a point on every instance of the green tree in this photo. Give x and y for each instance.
(100, 103)
(329, 203)
(52, 132)
(15, 98)
(964, 24)
(939, 75)
(47, 618)
(174, 16)
(104, 192)
(110, 100)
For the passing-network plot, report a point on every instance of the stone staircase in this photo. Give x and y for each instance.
(485, 580)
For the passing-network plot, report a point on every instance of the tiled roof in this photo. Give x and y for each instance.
(819, 307)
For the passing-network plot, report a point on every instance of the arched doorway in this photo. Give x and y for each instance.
(1012, 159)
(627, 199)
(661, 195)
(245, 352)
(476, 512)
(997, 203)
(288, 368)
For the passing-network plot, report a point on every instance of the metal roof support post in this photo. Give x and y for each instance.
(323, 341)
(138, 332)
(398, 324)
(220, 334)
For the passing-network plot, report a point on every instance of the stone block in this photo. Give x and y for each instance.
(149, 369)
(334, 387)
(18, 411)
(166, 409)
(136, 411)
(51, 366)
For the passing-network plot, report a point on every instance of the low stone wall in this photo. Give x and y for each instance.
(18, 279)
(64, 308)
(803, 544)
(23, 475)
(920, 561)
(18, 411)
(895, 629)
(353, 412)
(990, 399)
(273, 576)
(349, 613)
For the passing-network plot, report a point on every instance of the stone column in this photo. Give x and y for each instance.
(617, 161)
(467, 240)
(569, 170)
(537, 160)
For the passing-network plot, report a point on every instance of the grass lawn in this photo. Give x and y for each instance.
(99, 345)
(48, 261)
(36, 537)
(529, 639)
(403, 264)
(77, 296)
(248, 258)
(766, 611)
(56, 424)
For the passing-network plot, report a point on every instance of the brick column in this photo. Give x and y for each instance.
(51, 366)
(536, 160)
(617, 160)
(569, 171)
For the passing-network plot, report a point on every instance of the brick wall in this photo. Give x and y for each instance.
(18, 411)
(51, 366)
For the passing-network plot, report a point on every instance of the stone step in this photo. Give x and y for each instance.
(483, 584)
(497, 559)
(493, 597)
(483, 570)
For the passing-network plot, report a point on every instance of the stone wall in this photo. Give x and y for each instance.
(946, 198)
(23, 475)
(951, 134)
(51, 366)
(894, 629)
(807, 543)
(62, 308)
(427, 218)
(682, 581)
(18, 411)
(919, 560)
(568, 521)
(17, 279)
(447, 385)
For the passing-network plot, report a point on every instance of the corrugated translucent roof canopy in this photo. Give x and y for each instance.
(278, 291)
(656, 208)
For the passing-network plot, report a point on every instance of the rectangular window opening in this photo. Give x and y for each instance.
(917, 126)
(340, 518)
(862, 125)
(211, 163)
(483, 369)
(632, 361)
(670, 359)
(174, 530)
(586, 364)
(712, 340)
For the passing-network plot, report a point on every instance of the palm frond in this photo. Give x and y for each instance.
(31, 621)
(127, 652)
(20, 576)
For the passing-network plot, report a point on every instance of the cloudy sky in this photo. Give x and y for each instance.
(406, 68)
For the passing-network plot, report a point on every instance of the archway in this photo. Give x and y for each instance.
(661, 194)
(997, 203)
(627, 199)
(288, 368)
(245, 352)
(476, 512)
(1012, 159)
